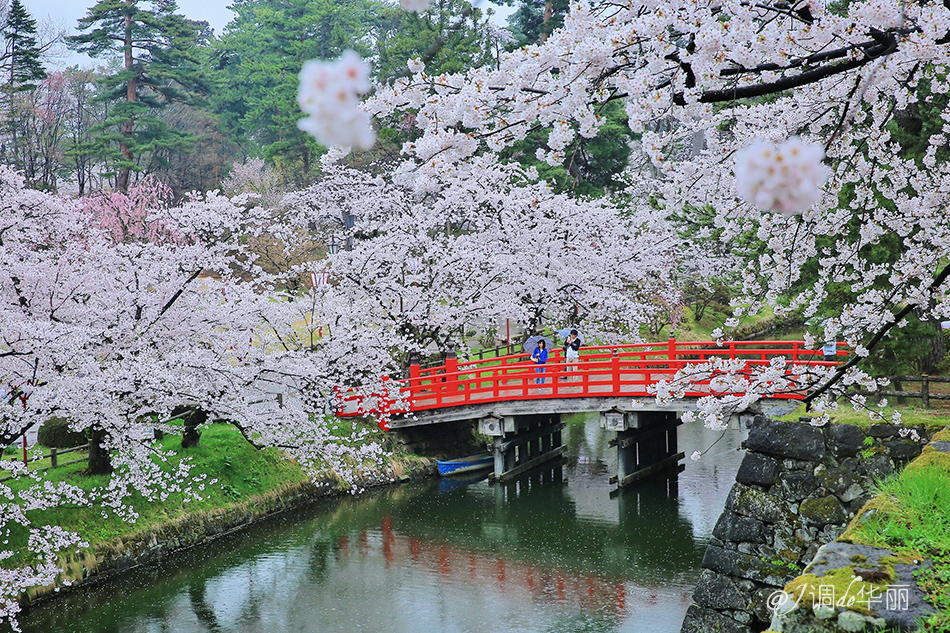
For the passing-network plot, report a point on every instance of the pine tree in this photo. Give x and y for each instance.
(534, 20)
(258, 59)
(160, 64)
(21, 67)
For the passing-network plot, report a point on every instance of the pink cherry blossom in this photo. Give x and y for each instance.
(786, 178)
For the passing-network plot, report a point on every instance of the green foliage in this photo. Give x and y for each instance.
(403, 35)
(257, 62)
(157, 61)
(20, 70)
(22, 66)
(592, 166)
(55, 433)
(529, 23)
(790, 566)
(910, 516)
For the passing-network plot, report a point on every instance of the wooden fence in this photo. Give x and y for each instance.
(924, 393)
(54, 455)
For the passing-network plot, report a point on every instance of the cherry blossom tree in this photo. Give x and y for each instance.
(112, 327)
(784, 119)
(490, 245)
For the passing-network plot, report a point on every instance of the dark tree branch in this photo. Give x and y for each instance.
(877, 338)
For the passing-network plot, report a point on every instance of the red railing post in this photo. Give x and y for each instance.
(615, 371)
(414, 382)
(451, 368)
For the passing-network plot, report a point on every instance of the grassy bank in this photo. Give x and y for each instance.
(912, 416)
(911, 516)
(247, 482)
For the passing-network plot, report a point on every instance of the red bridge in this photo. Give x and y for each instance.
(628, 371)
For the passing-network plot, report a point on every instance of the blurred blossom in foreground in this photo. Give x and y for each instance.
(414, 5)
(329, 92)
(786, 179)
(695, 456)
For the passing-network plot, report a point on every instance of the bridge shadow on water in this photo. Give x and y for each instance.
(555, 550)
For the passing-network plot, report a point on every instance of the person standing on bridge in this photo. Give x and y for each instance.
(572, 346)
(540, 357)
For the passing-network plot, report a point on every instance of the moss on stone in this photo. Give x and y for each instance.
(848, 590)
(822, 510)
(943, 434)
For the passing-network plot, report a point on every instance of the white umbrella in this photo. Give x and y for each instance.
(532, 342)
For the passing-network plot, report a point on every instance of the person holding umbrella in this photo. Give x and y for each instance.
(540, 357)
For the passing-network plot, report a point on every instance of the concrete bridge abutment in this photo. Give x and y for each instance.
(522, 442)
(646, 443)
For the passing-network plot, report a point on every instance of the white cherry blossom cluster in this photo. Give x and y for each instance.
(876, 63)
(329, 94)
(785, 179)
(107, 330)
(417, 6)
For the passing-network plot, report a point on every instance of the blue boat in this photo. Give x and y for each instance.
(466, 464)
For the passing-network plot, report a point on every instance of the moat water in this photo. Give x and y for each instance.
(558, 551)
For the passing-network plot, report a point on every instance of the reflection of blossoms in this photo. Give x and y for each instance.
(329, 92)
(786, 179)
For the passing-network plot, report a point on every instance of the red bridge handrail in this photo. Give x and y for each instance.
(602, 371)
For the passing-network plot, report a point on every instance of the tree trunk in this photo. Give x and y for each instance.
(938, 348)
(192, 435)
(192, 417)
(546, 26)
(131, 96)
(100, 461)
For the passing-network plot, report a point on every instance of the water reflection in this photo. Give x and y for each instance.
(552, 551)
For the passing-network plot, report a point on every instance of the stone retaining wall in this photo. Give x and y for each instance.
(892, 600)
(796, 489)
(195, 529)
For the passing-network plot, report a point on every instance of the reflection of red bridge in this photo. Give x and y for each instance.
(495, 573)
(603, 372)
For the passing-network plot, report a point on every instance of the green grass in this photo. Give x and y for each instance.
(911, 516)
(241, 472)
(930, 419)
(39, 464)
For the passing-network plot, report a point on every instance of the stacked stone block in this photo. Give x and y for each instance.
(796, 489)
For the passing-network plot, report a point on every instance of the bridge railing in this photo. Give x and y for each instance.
(618, 370)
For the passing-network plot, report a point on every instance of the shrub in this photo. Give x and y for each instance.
(55, 432)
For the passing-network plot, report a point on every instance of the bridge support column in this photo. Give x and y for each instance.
(646, 442)
(520, 443)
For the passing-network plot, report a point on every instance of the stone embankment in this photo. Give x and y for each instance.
(149, 546)
(796, 490)
(854, 586)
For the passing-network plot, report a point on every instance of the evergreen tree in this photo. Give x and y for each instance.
(21, 67)
(159, 53)
(258, 60)
(534, 20)
(402, 35)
